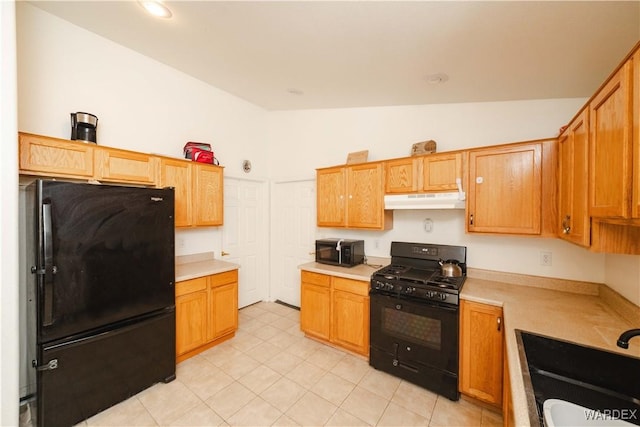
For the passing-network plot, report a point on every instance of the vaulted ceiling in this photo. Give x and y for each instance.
(335, 54)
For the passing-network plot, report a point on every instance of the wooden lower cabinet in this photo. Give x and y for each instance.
(315, 305)
(481, 352)
(206, 312)
(335, 310)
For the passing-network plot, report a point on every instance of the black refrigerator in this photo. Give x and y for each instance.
(100, 306)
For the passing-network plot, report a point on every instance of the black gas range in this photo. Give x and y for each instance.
(415, 315)
(415, 272)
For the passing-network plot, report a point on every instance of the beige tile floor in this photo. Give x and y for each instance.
(270, 374)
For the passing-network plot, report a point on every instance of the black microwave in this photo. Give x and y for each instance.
(342, 252)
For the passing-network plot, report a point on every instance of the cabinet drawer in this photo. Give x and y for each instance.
(316, 278)
(357, 287)
(224, 278)
(189, 286)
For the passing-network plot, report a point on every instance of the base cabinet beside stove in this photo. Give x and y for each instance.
(481, 352)
(335, 310)
(206, 312)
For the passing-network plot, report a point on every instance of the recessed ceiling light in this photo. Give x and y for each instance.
(156, 8)
(437, 78)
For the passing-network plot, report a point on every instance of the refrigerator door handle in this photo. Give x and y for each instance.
(48, 265)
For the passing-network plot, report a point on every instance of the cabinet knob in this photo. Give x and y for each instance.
(223, 253)
(566, 228)
(499, 323)
(471, 219)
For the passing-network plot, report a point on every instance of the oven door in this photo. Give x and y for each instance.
(415, 333)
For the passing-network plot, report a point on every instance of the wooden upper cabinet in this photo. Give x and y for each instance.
(440, 172)
(331, 203)
(636, 135)
(178, 174)
(573, 154)
(365, 197)
(352, 196)
(402, 175)
(420, 174)
(505, 189)
(208, 193)
(115, 165)
(610, 147)
(47, 156)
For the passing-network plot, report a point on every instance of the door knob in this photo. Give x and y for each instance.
(223, 253)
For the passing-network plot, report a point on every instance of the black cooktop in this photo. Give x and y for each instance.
(419, 276)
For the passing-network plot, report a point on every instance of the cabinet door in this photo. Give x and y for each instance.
(55, 157)
(331, 205)
(315, 305)
(224, 309)
(505, 186)
(223, 300)
(191, 314)
(208, 194)
(365, 197)
(401, 175)
(481, 351)
(574, 224)
(177, 174)
(636, 135)
(440, 172)
(124, 166)
(350, 315)
(610, 147)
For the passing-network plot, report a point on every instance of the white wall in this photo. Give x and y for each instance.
(141, 104)
(622, 273)
(301, 141)
(8, 219)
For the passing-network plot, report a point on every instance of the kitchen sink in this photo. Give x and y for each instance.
(560, 413)
(604, 383)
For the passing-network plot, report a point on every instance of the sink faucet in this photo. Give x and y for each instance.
(623, 341)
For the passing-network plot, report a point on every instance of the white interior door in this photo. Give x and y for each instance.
(293, 213)
(244, 237)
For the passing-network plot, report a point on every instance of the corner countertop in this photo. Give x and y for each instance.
(198, 265)
(576, 313)
(359, 272)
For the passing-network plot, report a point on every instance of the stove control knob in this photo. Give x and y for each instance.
(388, 286)
(431, 294)
(442, 296)
(409, 290)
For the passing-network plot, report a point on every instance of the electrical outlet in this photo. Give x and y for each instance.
(545, 258)
(428, 225)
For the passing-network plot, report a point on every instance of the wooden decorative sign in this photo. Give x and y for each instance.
(358, 157)
(424, 147)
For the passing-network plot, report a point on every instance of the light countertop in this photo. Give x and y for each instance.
(193, 266)
(359, 272)
(578, 317)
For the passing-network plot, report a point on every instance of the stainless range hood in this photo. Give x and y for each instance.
(452, 200)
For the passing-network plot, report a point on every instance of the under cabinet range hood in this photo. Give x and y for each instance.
(452, 200)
